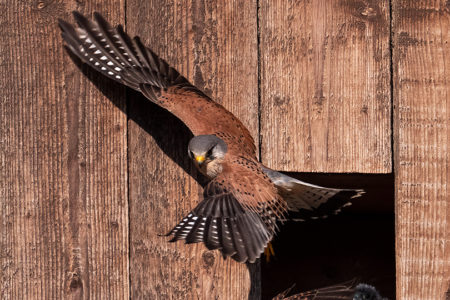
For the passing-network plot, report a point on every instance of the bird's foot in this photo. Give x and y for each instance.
(268, 252)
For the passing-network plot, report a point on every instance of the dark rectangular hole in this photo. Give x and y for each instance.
(358, 243)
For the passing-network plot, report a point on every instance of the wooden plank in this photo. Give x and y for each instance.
(215, 46)
(422, 100)
(63, 190)
(325, 93)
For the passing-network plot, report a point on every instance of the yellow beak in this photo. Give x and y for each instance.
(200, 159)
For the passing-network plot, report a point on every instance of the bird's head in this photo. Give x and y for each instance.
(207, 151)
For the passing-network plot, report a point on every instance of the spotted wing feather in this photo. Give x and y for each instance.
(113, 53)
(222, 223)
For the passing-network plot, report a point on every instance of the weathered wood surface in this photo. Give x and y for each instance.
(422, 90)
(68, 163)
(215, 46)
(325, 92)
(63, 188)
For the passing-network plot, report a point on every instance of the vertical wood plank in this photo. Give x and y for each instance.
(214, 44)
(422, 89)
(63, 181)
(325, 93)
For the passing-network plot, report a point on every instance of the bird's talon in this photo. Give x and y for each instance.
(268, 252)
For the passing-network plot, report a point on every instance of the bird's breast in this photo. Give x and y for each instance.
(211, 169)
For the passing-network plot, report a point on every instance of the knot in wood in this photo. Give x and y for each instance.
(208, 259)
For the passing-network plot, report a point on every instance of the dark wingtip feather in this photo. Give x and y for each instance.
(62, 24)
(101, 21)
(78, 16)
(81, 20)
(98, 16)
(65, 27)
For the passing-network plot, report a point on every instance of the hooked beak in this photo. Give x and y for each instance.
(200, 159)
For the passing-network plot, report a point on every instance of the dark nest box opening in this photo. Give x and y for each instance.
(358, 243)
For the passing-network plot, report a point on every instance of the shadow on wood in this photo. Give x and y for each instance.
(255, 279)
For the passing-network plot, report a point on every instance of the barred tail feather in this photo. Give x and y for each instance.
(114, 54)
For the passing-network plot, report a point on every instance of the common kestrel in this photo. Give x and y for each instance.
(243, 199)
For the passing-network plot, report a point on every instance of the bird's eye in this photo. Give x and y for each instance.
(209, 153)
(191, 154)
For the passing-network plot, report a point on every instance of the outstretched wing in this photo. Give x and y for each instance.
(309, 201)
(114, 54)
(343, 291)
(237, 215)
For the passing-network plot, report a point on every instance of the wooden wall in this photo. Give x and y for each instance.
(64, 191)
(215, 46)
(325, 93)
(91, 173)
(421, 61)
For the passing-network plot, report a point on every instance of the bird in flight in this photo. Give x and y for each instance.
(243, 199)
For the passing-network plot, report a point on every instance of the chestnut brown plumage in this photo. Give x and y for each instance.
(243, 200)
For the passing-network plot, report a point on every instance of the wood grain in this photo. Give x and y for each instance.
(422, 89)
(325, 93)
(68, 163)
(215, 46)
(63, 207)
